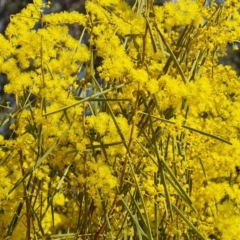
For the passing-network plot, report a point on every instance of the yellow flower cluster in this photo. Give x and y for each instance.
(153, 149)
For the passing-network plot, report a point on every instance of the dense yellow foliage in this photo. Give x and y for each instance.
(157, 156)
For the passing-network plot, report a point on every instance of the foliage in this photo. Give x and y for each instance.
(151, 152)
